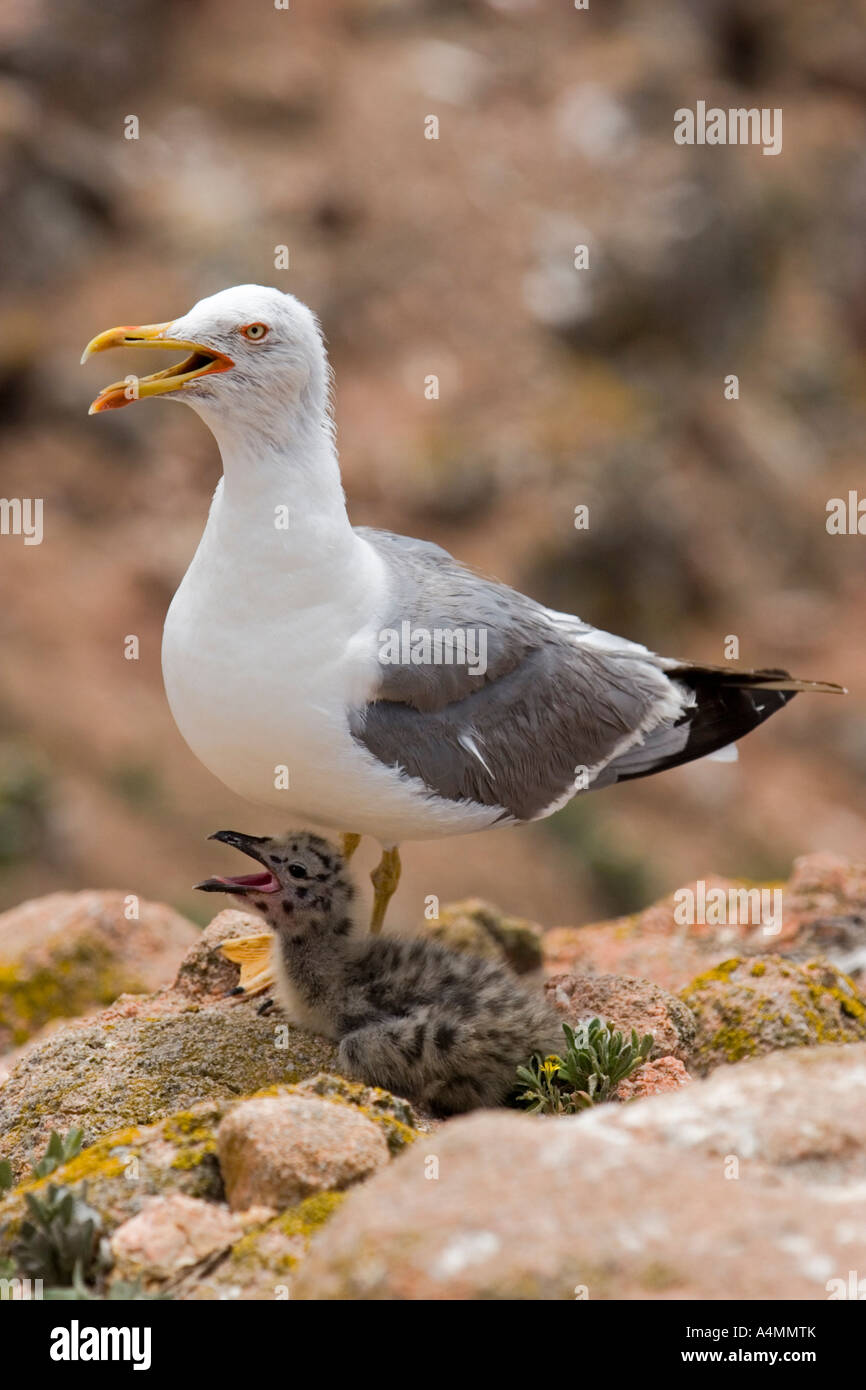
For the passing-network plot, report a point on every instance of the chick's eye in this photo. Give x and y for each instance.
(255, 331)
(298, 871)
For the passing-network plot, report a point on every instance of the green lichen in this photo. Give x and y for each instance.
(395, 1116)
(306, 1218)
(262, 1251)
(746, 1008)
(83, 974)
(721, 972)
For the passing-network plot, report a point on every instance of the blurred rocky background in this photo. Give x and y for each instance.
(304, 128)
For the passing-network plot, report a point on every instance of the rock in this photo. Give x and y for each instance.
(398, 1120)
(747, 1007)
(136, 1069)
(276, 1150)
(206, 974)
(622, 1202)
(626, 1003)
(261, 1265)
(135, 1169)
(151, 1055)
(801, 1112)
(653, 1079)
(823, 911)
(124, 1170)
(171, 1234)
(69, 953)
(480, 929)
(825, 884)
(652, 944)
(826, 898)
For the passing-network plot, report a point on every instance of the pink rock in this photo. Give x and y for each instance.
(79, 951)
(276, 1150)
(170, 1234)
(823, 907)
(626, 1003)
(750, 1181)
(666, 1074)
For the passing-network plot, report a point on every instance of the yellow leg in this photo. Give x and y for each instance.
(385, 878)
(253, 955)
(349, 843)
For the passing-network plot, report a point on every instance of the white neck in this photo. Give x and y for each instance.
(287, 461)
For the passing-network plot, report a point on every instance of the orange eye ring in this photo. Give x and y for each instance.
(254, 332)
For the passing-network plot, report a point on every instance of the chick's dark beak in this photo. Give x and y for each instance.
(253, 845)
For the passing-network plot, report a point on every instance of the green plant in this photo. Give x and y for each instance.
(597, 1058)
(60, 1149)
(60, 1243)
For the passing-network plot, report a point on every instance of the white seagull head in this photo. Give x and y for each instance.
(250, 351)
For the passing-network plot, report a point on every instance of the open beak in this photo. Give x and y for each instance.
(201, 361)
(265, 882)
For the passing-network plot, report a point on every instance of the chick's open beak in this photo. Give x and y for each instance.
(201, 361)
(265, 882)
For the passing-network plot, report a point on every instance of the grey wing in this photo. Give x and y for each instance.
(546, 712)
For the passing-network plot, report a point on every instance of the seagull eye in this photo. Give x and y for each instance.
(255, 331)
(298, 871)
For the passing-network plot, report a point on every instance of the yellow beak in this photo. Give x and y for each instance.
(202, 361)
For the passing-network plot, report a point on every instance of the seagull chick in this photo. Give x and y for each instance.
(366, 681)
(444, 1029)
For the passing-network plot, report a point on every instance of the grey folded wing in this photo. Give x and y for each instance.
(545, 716)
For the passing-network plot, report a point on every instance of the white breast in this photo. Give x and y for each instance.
(261, 662)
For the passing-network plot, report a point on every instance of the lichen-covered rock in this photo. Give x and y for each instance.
(127, 1170)
(69, 953)
(399, 1121)
(150, 1055)
(653, 1079)
(655, 945)
(276, 1150)
(134, 1065)
(171, 1234)
(746, 1007)
(481, 929)
(622, 1202)
(626, 1003)
(262, 1264)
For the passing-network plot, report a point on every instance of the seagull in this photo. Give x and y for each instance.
(366, 681)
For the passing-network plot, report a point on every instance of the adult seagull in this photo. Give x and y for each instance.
(279, 653)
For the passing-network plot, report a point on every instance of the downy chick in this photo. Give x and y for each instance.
(444, 1029)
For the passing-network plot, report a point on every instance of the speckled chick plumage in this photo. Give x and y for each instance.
(442, 1028)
